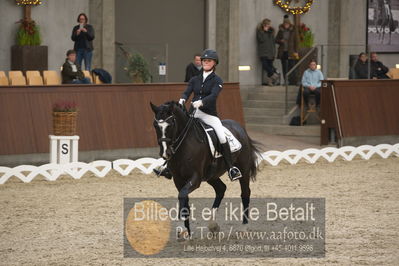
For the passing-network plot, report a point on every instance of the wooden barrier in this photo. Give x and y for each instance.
(111, 116)
(360, 111)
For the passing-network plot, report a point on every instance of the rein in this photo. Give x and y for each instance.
(182, 135)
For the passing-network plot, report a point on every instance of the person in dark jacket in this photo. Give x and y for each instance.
(83, 36)
(194, 68)
(378, 70)
(286, 50)
(266, 51)
(71, 72)
(206, 88)
(362, 67)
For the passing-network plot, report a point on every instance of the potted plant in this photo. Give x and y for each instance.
(137, 68)
(64, 118)
(306, 37)
(28, 54)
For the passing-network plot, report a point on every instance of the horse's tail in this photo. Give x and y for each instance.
(256, 154)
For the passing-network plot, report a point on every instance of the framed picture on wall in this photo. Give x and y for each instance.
(383, 26)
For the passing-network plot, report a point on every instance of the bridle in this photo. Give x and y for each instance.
(167, 140)
(175, 143)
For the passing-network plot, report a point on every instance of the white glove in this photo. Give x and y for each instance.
(182, 101)
(197, 104)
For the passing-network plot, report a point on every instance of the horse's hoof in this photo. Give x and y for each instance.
(213, 227)
(183, 236)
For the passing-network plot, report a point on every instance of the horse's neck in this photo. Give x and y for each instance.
(182, 119)
(188, 132)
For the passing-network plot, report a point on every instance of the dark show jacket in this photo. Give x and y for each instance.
(84, 39)
(68, 75)
(206, 91)
(191, 71)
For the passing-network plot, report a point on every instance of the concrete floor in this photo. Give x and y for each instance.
(282, 143)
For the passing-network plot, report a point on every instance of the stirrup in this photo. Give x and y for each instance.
(234, 173)
(162, 170)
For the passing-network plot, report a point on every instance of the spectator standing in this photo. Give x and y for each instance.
(311, 83)
(71, 72)
(378, 70)
(194, 68)
(286, 50)
(83, 36)
(266, 50)
(362, 67)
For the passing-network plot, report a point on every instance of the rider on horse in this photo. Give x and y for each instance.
(206, 88)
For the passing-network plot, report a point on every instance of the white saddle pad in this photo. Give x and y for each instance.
(235, 145)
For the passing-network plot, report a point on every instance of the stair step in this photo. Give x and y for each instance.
(261, 111)
(267, 104)
(271, 96)
(263, 119)
(274, 89)
(286, 130)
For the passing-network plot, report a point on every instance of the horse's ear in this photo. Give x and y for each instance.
(154, 108)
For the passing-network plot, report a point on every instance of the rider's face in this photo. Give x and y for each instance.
(208, 64)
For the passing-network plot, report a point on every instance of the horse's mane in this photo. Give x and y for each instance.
(170, 103)
(178, 107)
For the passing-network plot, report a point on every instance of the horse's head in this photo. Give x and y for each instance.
(166, 125)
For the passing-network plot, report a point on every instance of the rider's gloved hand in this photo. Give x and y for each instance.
(182, 101)
(197, 104)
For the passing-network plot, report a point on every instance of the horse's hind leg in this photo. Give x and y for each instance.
(219, 188)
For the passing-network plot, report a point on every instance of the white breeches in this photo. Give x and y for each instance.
(214, 122)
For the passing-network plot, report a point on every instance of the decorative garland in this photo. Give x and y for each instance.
(285, 5)
(28, 2)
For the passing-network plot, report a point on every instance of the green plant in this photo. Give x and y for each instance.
(28, 33)
(137, 68)
(306, 37)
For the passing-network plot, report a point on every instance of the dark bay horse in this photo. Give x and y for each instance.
(190, 161)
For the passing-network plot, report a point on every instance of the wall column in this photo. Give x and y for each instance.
(102, 17)
(227, 39)
(334, 38)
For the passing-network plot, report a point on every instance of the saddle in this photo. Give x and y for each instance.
(213, 141)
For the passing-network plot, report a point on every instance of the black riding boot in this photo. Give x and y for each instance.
(163, 171)
(233, 172)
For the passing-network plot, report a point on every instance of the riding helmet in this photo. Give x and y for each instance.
(210, 54)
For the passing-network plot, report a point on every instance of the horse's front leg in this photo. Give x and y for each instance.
(184, 209)
(220, 189)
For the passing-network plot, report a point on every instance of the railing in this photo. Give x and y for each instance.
(291, 71)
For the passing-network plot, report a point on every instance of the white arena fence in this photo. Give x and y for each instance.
(76, 170)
